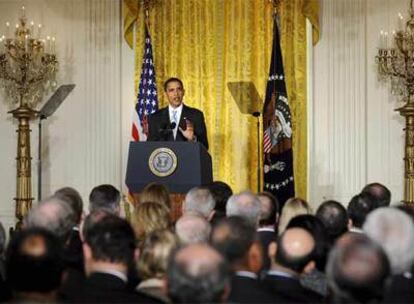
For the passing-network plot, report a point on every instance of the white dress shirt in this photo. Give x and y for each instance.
(177, 111)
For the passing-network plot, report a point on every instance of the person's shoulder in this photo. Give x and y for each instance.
(159, 112)
(192, 110)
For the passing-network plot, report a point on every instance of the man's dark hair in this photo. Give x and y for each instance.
(221, 193)
(201, 285)
(34, 261)
(111, 239)
(269, 218)
(172, 79)
(104, 197)
(315, 227)
(380, 193)
(295, 263)
(335, 218)
(359, 207)
(366, 285)
(73, 199)
(233, 237)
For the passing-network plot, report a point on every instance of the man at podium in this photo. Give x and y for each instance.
(177, 122)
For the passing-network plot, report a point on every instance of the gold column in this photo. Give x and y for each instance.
(408, 112)
(23, 197)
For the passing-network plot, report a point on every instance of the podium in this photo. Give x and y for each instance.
(178, 165)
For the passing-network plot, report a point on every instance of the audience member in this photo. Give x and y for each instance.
(335, 219)
(52, 214)
(153, 261)
(292, 208)
(221, 193)
(157, 193)
(34, 266)
(394, 231)
(235, 238)
(381, 194)
(105, 197)
(357, 270)
(268, 219)
(71, 197)
(358, 209)
(148, 217)
(197, 274)
(316, 279)
(199, 200)
(109, 249)
(291, 258)
(192, 228)
(73, 254)
(246, 205)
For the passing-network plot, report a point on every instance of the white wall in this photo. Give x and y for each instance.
(85, 141)
(356, 136)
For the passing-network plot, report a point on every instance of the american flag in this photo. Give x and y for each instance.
(147, 100)
(277, 126)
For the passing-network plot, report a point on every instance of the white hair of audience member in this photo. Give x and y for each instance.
(54, 215)
(246, 205)
(394, 231)
(199, 200)
(192, 229)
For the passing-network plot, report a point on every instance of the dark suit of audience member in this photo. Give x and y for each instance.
(236, 239)
(268, 220)
(109, 249)
(101, 287)
(400, 289)
(246, 288)
(288, 264)
(177, 122)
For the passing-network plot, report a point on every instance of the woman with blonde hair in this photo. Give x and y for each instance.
(294, 206)
(149, 217)
(157, 193)
(153, 261)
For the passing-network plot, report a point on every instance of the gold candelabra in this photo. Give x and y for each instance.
(396, 64)
(28, 67)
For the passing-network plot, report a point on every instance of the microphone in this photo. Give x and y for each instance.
(167, 128)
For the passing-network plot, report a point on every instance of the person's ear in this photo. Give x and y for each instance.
(226, 293)
(87, 251)
(255, 257)
(350, 224)
(271, 252)
(164, 286)
(309, 267)
(211, 215)
(136, 254)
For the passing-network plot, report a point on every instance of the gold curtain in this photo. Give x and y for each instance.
(208, 43)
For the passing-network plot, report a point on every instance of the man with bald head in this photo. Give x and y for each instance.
(291, 257)
(357, 271)
(192, 228)
(197, 274)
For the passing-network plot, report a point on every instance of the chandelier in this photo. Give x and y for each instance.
(395, 62)
(28, 63)
(28, 68)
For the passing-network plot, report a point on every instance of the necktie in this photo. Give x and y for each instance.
(174, 119)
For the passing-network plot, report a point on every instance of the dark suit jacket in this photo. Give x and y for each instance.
(289, 290)
(266, 237)
(159, 123)
(248, 290)
(107, 288)
(400, 290)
